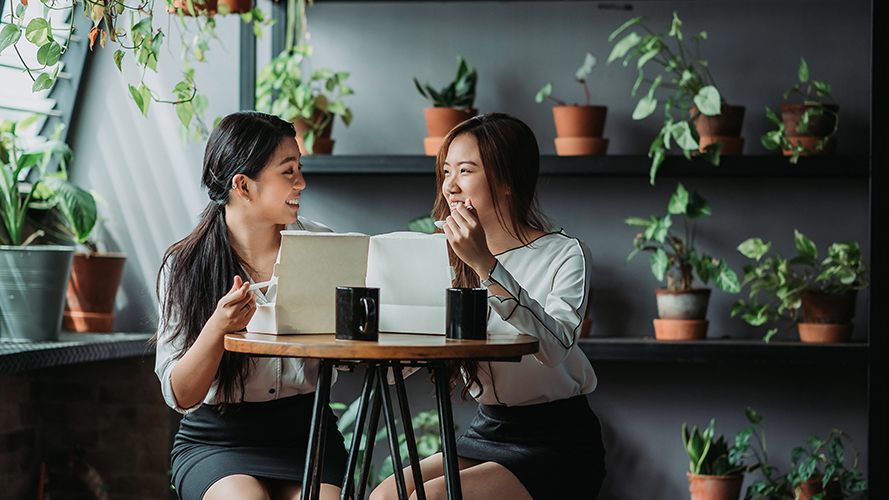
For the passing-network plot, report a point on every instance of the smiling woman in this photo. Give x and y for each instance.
(253, 177)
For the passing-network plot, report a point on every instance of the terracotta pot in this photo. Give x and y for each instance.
(91, 292)
(818, 127)
(580, 121)
(702, 487)
(581, 146)
(431, 145)
(440, 121)
(680, 329)
(731, 146)
(727, 123)
(824, 333)
(323, 143)
(815, 485)
(210, 6)
(682, 304)
(819, 307)
(808, 143)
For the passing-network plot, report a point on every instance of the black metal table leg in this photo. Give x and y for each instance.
(370, 433)
(446, 422)
(410, 439)
(366, 392)
(315, 453)
(392, 431)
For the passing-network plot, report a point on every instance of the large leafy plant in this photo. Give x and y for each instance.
(811, 93)
(777, 283)
(281, 90)
(713, 457)
(460, 93)
(684, 72)
(26, 183)
(581, 75)
(674, 256)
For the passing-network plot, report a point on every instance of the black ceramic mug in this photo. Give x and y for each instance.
(467, 314)
(356, 313)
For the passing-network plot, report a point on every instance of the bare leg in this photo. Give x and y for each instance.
(290, 490)
(239, 486)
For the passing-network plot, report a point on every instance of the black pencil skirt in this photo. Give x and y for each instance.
(266, 440)
(555, 449)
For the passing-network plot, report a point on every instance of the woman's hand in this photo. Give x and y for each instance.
(234, 309)
(467, 238)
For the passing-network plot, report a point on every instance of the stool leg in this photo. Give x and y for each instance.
(392, 431)
(410, 439)
(370, 435)
(315, 453)
(369, 380)
(449, 442)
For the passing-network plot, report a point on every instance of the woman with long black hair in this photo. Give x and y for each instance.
(535, 436)
(246, 420)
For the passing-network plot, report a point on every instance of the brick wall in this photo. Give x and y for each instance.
(110, 414)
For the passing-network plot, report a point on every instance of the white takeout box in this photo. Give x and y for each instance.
(410, 269)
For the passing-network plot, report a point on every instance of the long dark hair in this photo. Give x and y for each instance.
(199, 268)
(511, 160)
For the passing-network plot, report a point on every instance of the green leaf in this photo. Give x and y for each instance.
(726, 279)
(708, 101)
(754, 248)
(143, 27)
(9, 35)
(659, 263)
(681, 133)
(49, 54)
(821, 87)
(423, 224)
(805, 246)
(678, 201)
(645, 107)
(545, 92)
(803, 71)
(118, 57)
(185, 111)
(636, 221)
(631, 22)
(43, 82)
(39, 32)
(76, 204)
(589, 62)
(622, 47)
(698, 207)
(769, 334)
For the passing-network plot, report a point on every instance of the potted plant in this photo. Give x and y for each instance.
(715, 469)
(682, 308)
(35, 275)
(807, 128)
(706, 125)
(818, 469)
(450, 106)
(578, 128)
(823, 292)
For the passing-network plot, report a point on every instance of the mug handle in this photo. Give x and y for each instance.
(370, 314)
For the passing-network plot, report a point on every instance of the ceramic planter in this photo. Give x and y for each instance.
(826, 318)
(682, 314)
(680, 329)
(323, 142)
(815, 485)
(579, 130)
(702, 487)
(724, 127)
(32, 291)
(440, 121)
(819, 127)
(91, 292)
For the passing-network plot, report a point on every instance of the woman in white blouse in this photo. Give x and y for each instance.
(246, 420)
(535, 435)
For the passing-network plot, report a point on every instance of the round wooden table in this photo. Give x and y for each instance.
(390, 351)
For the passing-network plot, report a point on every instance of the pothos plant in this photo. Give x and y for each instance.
(581, 75)
(674, 256)
(811, 93)
(130, 24)
(776, 284)
(683, 71)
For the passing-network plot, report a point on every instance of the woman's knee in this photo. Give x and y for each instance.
(385, 490)
(239, 486)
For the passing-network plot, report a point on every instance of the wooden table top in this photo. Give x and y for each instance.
(392, 346)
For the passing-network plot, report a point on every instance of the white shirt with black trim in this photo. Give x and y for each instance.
(548, 283)
(268, 378)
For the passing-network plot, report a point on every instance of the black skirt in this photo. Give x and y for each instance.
(555, 449)
(267, 440)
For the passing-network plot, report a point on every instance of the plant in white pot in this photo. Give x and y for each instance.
(450, 106)
(35, 276)
(682, 307)
(579, 128)
(816, 296)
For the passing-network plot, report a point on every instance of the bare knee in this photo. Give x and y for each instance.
(385, 491)
(239, 486)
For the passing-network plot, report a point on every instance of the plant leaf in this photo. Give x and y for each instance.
(77, 205)
(39, 32)
(708, 101)
(659, 263)
(9, 35)
(645, 107)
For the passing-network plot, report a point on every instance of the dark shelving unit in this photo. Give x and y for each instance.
(72, 348)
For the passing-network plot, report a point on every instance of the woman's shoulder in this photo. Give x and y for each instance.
(558, 241)
(304, 224)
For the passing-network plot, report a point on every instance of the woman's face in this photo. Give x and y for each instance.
(279, 185)
(464, 179)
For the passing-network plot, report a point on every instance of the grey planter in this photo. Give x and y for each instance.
(33, 281)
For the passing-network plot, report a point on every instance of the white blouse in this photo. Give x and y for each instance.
(548, 283)
(268, 378)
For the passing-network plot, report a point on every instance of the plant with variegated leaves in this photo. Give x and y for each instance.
(675, 257)
(581, 75)
(685, 73)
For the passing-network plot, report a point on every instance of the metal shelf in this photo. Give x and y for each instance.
(615, 166)
(722, 351)
(72, 348)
